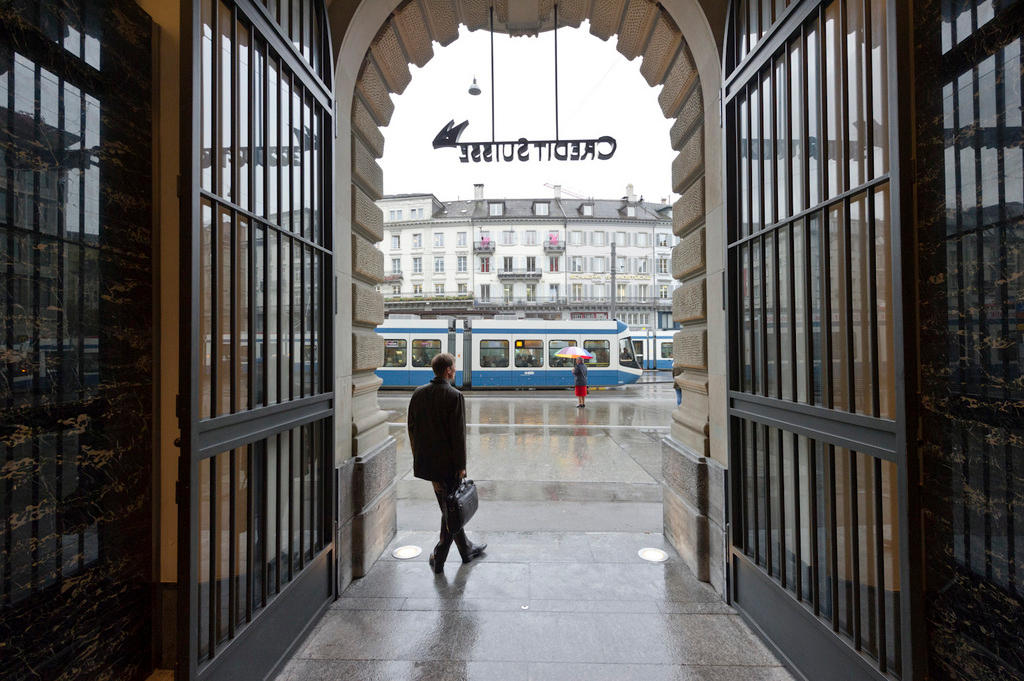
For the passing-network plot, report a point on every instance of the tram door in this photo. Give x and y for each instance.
(256, 551)
(817, 468)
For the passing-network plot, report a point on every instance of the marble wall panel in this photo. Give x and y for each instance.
(76, 383)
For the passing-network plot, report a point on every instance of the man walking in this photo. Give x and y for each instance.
(437, 435)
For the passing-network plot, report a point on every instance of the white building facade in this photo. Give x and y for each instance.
(546, 258)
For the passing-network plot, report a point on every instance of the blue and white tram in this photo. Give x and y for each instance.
(656, 352)
(506, 353)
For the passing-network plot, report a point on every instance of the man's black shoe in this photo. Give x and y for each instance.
(438, 568)
(475, 551)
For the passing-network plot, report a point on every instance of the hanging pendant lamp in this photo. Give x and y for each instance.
(474, 89)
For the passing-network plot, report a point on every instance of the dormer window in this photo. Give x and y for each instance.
(540, 208)
(630, 211)
(588, 210)
(496, 209)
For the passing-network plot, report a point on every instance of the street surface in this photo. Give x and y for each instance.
(567, 498)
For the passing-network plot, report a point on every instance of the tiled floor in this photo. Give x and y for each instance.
(568, 497)
(539, 606)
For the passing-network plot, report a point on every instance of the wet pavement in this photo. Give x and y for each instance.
(568, 497)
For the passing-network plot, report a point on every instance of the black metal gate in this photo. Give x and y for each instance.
(256, 404)
(817, 433)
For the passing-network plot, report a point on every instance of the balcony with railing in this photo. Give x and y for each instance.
(484, 246)
(519, 273)
(554, 246)
(395, 275)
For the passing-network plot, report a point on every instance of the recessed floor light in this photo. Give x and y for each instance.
(406, 552)
(653, 555)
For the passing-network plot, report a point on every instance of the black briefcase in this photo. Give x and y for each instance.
(460, 505)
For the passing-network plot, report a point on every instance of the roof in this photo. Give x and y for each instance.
(570, 209)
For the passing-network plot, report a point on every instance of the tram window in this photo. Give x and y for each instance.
(530, 353)
(554, 347)
(493, 354)
(626, 357)
(601, 350)
(423, 351)
(666, 351)
(394, 352)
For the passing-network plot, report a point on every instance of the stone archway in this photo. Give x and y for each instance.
(375, 43)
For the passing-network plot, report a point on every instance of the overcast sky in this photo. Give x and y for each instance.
(600, 93)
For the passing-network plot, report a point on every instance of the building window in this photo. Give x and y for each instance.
(553, 238)
(485, 236)
(662, 265)
(507, 293)
(417, 265)
(485, 293)
(553, 263)
(396, 242)
(643, 289)
(496, 209)
(599, 238)
(461, 263)
(531, 263)
(598, 264)
(576, 238)
(577, 263)
(531, 237)
(588, 209)
(663, 291)
(417, 289)
(462, 288)
(577, 292)
(439, 289)
(663, 239)
(620, 291)
(666, 351)
(417, 241)
(460, 239)
(507, 263)
(439, 264)
(599, 293)
(438, 239)
(540, 208)
(396, 290)
(553, 291)
(396, 265)
(621, 239)
(620, 264)
(630, 211)
(417, 213)
(531, 292)
(485, 264)
(508, 237)
(641, 266)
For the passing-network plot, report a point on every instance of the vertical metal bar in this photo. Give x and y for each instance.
(292, 567)
(766, 440)
(854, 551)
(880, 567)
(232, 576)
(277, 512)
(302, 496)
(250, 529)
(213, 613)
(556, 71)
(782, 508)
(833, 535)
(798, 528)
(492, 72)
(812, 483)
(235, 337)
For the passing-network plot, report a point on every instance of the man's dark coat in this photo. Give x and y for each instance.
(437, 431)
